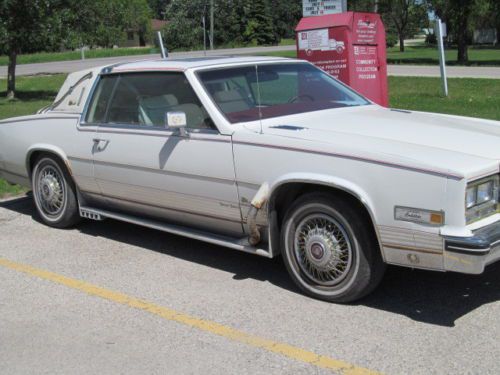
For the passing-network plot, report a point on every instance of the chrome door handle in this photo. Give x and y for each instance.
(100, 144)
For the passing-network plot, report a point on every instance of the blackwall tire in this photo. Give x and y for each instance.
(54, 193)
(329, 249)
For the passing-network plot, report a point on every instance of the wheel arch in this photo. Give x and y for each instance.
(287, 188)
(44, 149)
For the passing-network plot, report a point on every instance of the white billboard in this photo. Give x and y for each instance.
(319, 8)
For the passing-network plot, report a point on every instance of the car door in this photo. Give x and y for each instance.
(144, 168)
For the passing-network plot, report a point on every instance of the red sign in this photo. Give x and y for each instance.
(349, 46)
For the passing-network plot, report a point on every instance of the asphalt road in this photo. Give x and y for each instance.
(53, 321)
(395, 70)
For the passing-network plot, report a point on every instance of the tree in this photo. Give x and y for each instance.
(137, 17)
(236, 21)
(285, 15)
(158, 8)
(29, 26)
(461, 16)
(259, 27)
(362, 5)
(407, 16)
(184, 27)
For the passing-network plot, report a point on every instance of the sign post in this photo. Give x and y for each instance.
(312, 8)
(442, 60)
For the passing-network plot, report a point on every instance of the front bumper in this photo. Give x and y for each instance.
(472, 254)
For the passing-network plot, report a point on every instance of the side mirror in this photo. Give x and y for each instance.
(177, 120)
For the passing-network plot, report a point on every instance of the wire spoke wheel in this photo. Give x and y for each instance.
(50, 190)
(323, 249)
(329, 247)
(54, 193)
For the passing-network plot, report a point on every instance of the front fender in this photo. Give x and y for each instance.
(317, 179)
(325, 180)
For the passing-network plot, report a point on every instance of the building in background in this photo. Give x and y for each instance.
(485, 36)
(134, 38)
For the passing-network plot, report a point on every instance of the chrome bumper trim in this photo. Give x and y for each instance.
(472, 254)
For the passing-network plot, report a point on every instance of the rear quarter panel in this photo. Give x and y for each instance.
(55, 133)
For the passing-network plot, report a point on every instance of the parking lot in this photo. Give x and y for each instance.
(109, 297)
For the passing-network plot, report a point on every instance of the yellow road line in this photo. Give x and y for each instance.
(201, 324)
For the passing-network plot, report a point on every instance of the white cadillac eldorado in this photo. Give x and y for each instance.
(268, 156)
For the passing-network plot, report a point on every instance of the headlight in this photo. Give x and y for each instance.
(481, 198)
(471, 197)
(485, 192)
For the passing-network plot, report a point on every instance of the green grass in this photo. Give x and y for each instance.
(76, 55)
(468, 97)
(422, 55)
(429, 56)
(33, 93)
(287, 42)
(289, 54)
(7, 190)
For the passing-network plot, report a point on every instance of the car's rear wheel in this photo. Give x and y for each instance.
(329, 248)
(54, 193)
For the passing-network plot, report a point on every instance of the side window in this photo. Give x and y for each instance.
(143, 99)
(100, 100)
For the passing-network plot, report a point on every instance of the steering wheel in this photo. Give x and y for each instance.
(297, 97)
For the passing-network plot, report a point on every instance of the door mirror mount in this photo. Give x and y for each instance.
(177, 120)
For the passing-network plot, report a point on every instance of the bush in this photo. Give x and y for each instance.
(182, 34)
(430, 39)
(391, 40)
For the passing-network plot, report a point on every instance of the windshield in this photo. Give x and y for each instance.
(256, 92)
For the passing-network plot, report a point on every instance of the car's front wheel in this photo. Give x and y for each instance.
(329, 249)
(54, 193)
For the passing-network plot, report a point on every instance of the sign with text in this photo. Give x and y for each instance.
(319, 8)
(350, 46)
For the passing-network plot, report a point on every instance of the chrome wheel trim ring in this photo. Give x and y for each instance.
(323, 250)
(50, 190)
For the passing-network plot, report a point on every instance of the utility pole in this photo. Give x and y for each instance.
(204, 34)
(211, 24)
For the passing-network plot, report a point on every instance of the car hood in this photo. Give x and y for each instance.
(467, 146)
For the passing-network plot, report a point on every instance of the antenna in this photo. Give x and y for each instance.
(258, 96)
(164, 51)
